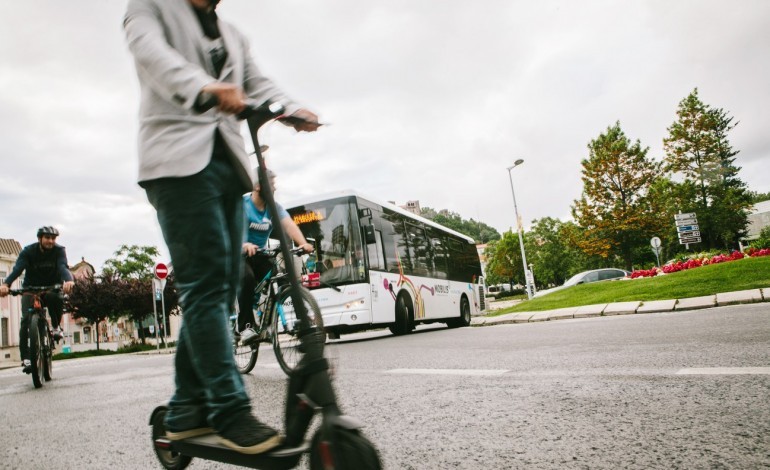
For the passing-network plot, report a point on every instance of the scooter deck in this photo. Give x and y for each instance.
(208, 447)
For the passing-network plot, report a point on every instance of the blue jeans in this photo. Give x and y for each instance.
(201, 217)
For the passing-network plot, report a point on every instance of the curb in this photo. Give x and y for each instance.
(628, 308)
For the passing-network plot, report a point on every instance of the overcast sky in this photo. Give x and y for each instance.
(428, 100)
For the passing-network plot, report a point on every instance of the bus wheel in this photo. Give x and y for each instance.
(465, 315)
(404, 322)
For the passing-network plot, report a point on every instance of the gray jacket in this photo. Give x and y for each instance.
(169, 48)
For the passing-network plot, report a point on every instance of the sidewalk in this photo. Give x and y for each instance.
(621, 308)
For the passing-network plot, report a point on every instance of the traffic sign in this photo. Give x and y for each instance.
(688, 215)
(655, 242)
(687, 228)
(689, 240)
(691, 233)
(682, 222)
(161, 271)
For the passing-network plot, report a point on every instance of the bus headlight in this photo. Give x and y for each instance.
(355, 304)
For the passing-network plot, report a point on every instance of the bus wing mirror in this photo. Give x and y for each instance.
(369, 237)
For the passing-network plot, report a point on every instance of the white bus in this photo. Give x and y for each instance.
(382, 266)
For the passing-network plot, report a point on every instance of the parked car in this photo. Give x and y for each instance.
(595, 275)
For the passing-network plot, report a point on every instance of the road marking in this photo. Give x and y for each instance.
(474, 372)
(725, 371)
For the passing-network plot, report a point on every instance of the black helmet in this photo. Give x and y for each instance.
(48, 230)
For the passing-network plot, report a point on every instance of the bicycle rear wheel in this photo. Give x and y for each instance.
(286, 341)
(245, 355)
(35, 351)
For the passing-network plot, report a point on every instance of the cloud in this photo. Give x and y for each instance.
(426, 100)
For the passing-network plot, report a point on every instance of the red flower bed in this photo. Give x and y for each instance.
(698, 262)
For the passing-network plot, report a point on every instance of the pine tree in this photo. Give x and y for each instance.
(697, 149)
(615, 210)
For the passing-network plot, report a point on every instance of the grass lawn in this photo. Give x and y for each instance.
(747, 273)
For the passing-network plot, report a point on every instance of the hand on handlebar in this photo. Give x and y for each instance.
(301, 120)
(230, 98)
(4, 290)
(250, 249)
(307, 247)
(67, 287)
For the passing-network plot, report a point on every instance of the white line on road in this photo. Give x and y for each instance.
(474, 372)
(725, 371)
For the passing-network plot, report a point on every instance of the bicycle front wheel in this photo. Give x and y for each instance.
(35, 351)
(286, 341)
(47, 351)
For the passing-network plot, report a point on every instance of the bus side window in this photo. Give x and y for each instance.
(374, 250)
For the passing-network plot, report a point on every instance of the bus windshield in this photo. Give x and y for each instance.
(335, 228)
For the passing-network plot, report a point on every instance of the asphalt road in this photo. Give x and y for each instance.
(672, 390)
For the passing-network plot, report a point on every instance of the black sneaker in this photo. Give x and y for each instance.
(248, 436)
(26, 366)
(188, 433)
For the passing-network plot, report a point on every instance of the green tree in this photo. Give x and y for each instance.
(95, 299)
(132, 262)
(759, 197)
(504, 263)
(616, 210)
(553, 256)
(764, 239)
(134, 265)
(697, 148)
(479, 231)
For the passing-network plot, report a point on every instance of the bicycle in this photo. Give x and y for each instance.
(275, 319)
(40, 339)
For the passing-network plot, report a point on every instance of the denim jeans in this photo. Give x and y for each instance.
(201, 217)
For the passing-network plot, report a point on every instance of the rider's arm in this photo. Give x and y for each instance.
(22, 262)
(164, 69)
(291, 229)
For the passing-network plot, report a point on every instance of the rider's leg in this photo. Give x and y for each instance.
(246, 296)
(201, 217)
(55, 303)
(26, 305)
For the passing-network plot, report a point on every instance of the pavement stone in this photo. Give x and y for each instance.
(657, 306)
(692, 303)
(586, 311)
(523, 317)
(739, 297)
(621, 308)
(540, 316)
(562, 313)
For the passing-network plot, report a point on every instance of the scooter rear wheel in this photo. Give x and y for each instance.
(169, 458)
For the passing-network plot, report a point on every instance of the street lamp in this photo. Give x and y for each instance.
(519, 229)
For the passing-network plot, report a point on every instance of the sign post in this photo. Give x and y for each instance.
(655, 242)
(158, 284)
(687, 228)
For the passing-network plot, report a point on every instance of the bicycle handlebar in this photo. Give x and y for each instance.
(273, 252)
(35, 289)
(260, 113)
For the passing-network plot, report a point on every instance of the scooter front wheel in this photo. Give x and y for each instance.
(168, 457)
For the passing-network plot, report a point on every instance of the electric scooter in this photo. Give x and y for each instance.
(337, 444)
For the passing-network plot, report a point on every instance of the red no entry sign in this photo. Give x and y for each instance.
(161, 271)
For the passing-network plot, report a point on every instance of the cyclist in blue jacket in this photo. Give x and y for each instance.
(259, 223)
(45, 263)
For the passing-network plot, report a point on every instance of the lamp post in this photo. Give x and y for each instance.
(519, 229)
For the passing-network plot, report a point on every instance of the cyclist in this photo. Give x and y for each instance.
(45, 263)
(260, 225)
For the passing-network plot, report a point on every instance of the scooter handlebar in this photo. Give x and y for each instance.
(261, 113)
